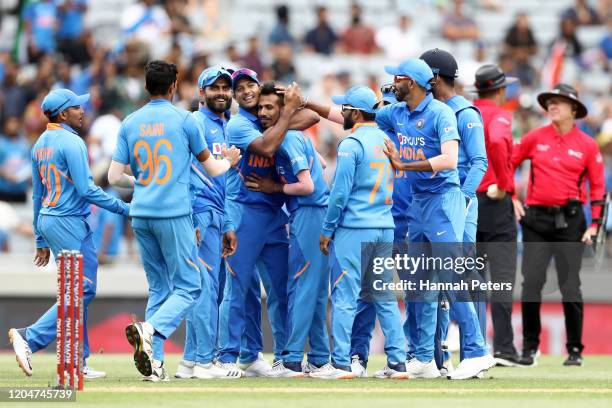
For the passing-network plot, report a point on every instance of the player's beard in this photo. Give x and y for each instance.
(348, 122)
(213, 105)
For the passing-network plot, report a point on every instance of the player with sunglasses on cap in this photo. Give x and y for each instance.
(63, 191)
(438, 205)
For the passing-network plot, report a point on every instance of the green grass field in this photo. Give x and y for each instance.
(547, 385)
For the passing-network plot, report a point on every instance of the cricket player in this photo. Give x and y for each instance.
(359, 211)
(208, 197)
(438, 205)
(157, 142)
(257, 222)
(471, 165)
(63, 190)
(301, 179)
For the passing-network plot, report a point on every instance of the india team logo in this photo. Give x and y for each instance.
(420, 123)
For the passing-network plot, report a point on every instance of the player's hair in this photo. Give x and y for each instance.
(159, 75)
(368, 117)
(269, 88)
(54, 118)
(447, 80)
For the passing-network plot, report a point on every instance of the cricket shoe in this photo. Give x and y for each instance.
(308, 368)
(574, 358)
(257, 368)
(506, 359)
(23, 354)
(393, 371)
(92, 374)
(158, 373)
(281, 369)
(417, 369)
(185, 369)
(472, 368)
(529, 358)
(359, 366)
(447, 368)
(140, 336)
(329, 372)
(209, 371)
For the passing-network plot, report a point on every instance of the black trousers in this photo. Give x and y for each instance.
(496, 240)
(544, 240)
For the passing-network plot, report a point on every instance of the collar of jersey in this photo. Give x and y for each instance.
(362, 124)
(212, 116)
(485, 102)
(248, 115)
(421, 106)
(58, 126)
(159, 101)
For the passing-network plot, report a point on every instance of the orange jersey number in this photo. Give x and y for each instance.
(150, 168)
(383, 169)
(50, 178)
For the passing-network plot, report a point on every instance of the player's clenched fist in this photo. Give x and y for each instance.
(230, 243)
(293, 97)
(324, 244)
(232, 154)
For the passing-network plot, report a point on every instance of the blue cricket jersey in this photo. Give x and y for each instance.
(242, 129)
(61, 180)
(472, 163)
(361, 195)
(296, 154)
(158, 141)
(421, 133)
(208, 193)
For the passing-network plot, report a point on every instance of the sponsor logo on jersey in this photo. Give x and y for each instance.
(542, 147)
(574, 153)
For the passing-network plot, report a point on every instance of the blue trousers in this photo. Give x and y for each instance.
(308, 288)
(169, 256)
(262, 236)
(202, 320)
(347, 267)
(66, 233)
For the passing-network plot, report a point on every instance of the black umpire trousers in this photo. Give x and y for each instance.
(543, 240)
(496, 240)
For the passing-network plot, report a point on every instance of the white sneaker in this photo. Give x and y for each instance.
(329, 372)
(280, 371)
(308, 368)
(257, 368)
(158, 373)
(140, 336)
(91, 374)
(185, 369)
(389, 372)
(23, 354)
(417, 369)
(472, 367)
(229, 371)
(358, 368)
(447, 368)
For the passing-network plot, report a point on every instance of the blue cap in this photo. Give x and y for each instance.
(210, 75)
(243, 73)
(416, 69)
(58, 100)
(360, 97)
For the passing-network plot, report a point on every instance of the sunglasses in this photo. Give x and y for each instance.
(399, 78)
(346, 108)
(244, 71)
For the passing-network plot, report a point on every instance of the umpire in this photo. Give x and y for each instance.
(496, 231)
(562, 159)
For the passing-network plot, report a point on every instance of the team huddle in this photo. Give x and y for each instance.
(224, 204)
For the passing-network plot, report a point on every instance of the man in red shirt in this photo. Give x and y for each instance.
(562, 159)
(496, 231)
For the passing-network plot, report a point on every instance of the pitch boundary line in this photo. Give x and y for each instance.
(305, 390)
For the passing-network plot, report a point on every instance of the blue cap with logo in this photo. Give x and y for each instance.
(360, 97)
(59, 100)
(417, 69)
(210, 75)
(243, 73)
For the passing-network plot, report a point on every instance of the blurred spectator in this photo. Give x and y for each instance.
(252, 58)
(40, 20)
(469, 66)
(458, 26)
(148, 23)
(567, 36)
(400, 41)
(605, 45)
(280, 33)
(15, 168)
(102, 137)
(233, 58)
(70, 35)
(582, 13)
(13, 97)
(321, 38)
(358, 38)
(521, 44)
(283, 68)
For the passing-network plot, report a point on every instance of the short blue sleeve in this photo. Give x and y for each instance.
(122, 151)
(241, 132)
(294, 149)
(384, 119)
(446, 125)
(195, 135)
